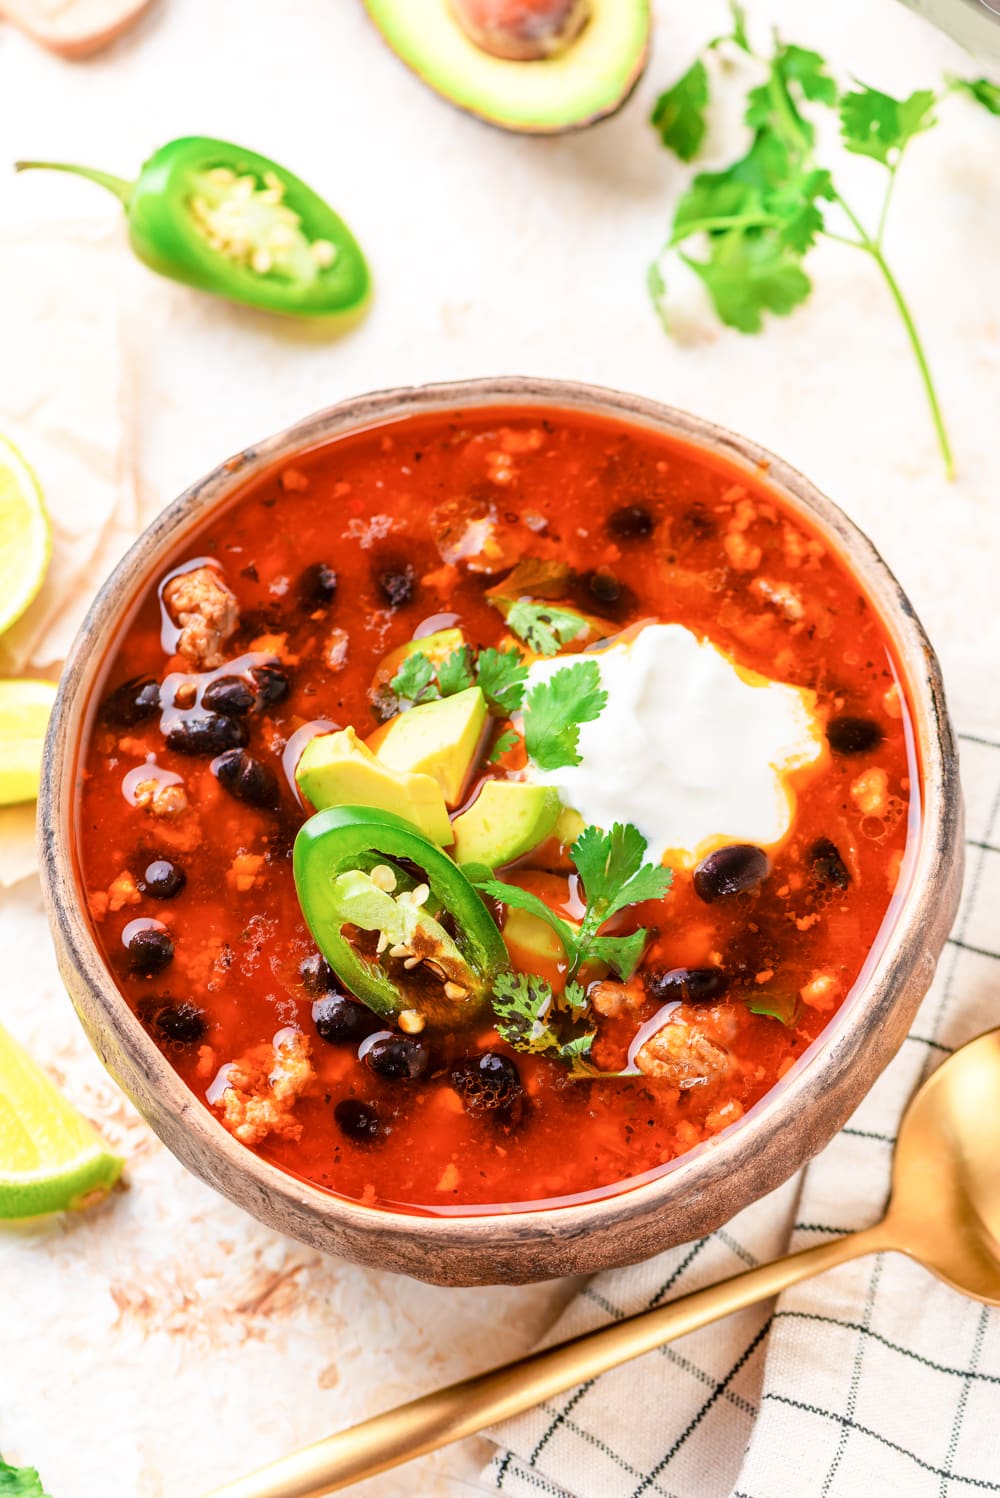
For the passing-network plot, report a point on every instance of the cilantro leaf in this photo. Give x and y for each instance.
(455, 674)
(517, 898)
(807, 70)
(20, 1482)
(877, 125)
(657, 288)
(679, 113)
(503, 745)
(502, 675)
(739, 33)
(798, 220)
(781, 1006)
(621, 953)
(982, 90)
(614, 873)
(414, 677)
(545, 626)
(747, 277)
(555, 709)
(531, 1019)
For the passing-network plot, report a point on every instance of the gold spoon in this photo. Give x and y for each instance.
(944, 1212)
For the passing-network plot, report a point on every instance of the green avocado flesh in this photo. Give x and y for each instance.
(506, 820)
(590, 79)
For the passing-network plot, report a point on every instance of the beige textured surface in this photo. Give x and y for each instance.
(167, 1342)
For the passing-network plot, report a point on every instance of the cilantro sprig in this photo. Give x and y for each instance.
(745, 230)
(614, 875)
(530, 1018)
(500, 673)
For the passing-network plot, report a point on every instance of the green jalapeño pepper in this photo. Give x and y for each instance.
(381, 928)
(231, 222)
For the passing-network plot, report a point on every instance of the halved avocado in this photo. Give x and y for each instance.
(590, 78)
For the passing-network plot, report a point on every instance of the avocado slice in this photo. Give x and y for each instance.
(440, 738)
(507, 819)
(338, 769)
(589, 78)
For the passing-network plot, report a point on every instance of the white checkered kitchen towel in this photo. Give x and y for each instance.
(873, 1380)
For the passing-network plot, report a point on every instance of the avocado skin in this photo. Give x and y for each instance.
(421, 31)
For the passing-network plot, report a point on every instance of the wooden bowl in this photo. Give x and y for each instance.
(704, 1187)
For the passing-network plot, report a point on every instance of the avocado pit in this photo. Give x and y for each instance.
(522, 30)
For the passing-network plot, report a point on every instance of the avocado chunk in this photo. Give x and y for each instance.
(440, 738)
(507, 819)
(338, 769)
(588, 73)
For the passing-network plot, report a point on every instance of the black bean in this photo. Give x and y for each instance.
(184, 1023)
(272, 685)
(849, 735)
(317, 586)
(231, 695)
(317, 975)
(150, 950)
(692, 985)
(731, 871)
(827, 865)
(603, 585)
(206, 733)
(162, 880)
(396, 584)
(131, 703)
(489, 1083)
(246, 778)
(399, 1057)
(630, 523)
(357, 1120)
(694, 525)
(339, 1019)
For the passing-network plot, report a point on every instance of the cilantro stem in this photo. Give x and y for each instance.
(873, 247)
(875, 250)
(880, 232)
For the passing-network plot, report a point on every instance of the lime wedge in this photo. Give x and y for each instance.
(51, 1158)
(25, 537)
(24, 714)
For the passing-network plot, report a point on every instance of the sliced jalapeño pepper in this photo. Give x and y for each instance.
(228, 221)
(379, 926)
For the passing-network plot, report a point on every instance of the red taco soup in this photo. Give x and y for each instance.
(488, 808)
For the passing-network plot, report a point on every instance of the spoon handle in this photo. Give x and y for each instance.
(461, 1409)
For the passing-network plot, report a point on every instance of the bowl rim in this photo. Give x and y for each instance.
(917, 932)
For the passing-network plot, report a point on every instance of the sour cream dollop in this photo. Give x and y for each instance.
(692, 750)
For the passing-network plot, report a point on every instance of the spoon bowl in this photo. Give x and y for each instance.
(945, 1205)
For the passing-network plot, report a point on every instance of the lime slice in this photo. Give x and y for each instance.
(24, 714)
(51, 1158)
(25, 537)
